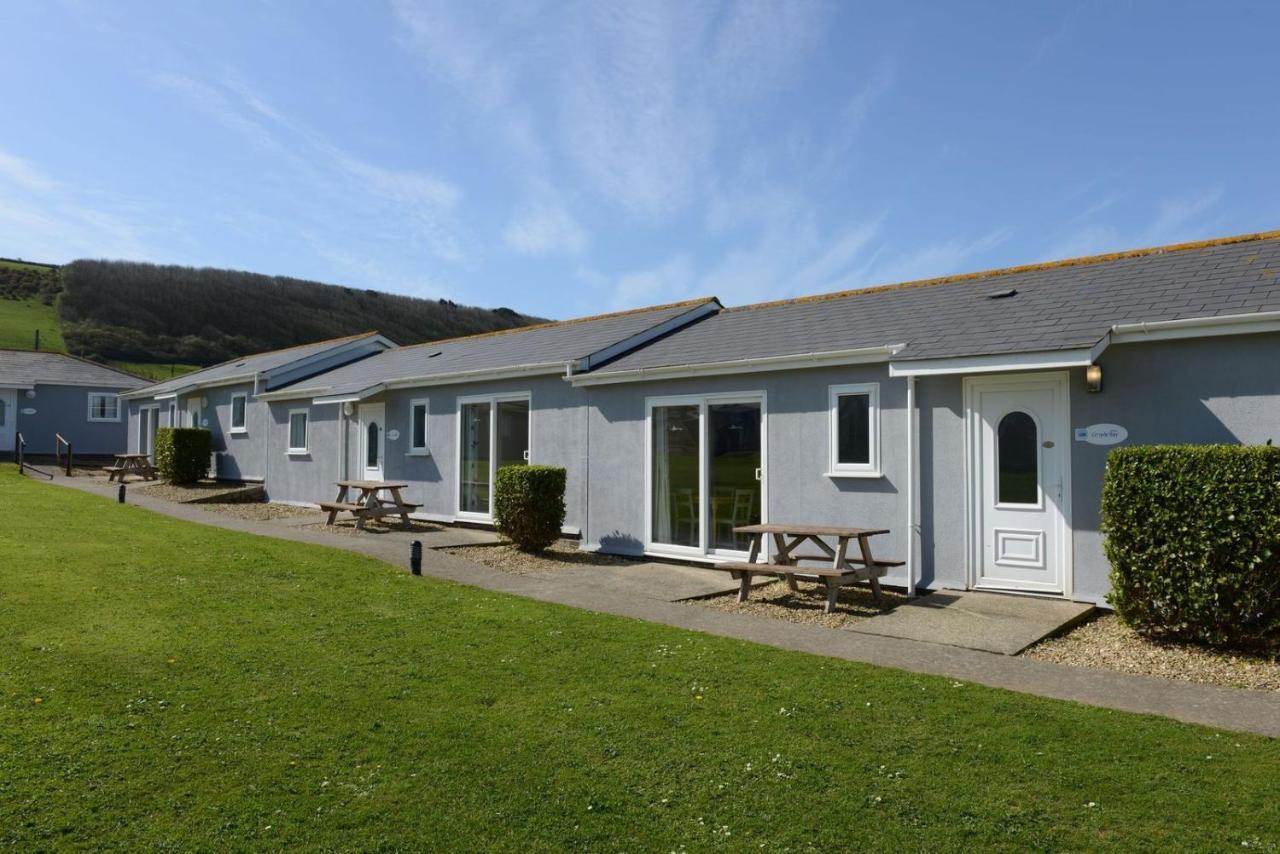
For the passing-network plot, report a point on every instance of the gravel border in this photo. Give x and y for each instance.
(774, 601)
(182, 494)
(347, 527)
(561, 556)
(1108, 644)
(260, 511)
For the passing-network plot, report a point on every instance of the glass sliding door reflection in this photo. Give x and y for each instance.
(474, 477)
(676, 508)
(513, 432)
(734, 462)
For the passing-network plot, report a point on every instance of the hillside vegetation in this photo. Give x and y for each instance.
(165, 319)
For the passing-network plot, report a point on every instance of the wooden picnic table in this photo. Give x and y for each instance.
(841, 569)
(127, 464)
(369, 504)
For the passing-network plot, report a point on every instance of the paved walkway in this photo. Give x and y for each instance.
(619, 593)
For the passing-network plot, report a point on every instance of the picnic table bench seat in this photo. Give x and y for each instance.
(840, 569)
(341, 505)
(369, 504)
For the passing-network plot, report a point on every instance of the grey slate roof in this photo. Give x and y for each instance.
(1058, 306)
(249, 366)
(29, 368)
(545, 344)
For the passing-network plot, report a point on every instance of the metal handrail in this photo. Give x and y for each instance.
(58, 442)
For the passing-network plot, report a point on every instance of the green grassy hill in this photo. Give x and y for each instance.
(162, 321)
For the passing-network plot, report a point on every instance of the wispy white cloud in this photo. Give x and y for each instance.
(941, 258)
(545, 229)
(24, 174)
(1087, 240)
(1183, 218)
(405, 204)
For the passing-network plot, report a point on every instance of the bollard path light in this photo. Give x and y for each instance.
(120, 494)
(415, 557)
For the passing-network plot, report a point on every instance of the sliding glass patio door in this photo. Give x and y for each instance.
(706, 473)
(491, 429)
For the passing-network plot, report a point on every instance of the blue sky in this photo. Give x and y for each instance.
(566, 158)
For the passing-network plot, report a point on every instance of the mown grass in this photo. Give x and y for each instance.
(20, 318)
(164, 684)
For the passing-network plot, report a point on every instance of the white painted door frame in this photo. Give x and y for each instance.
(703, 551)
(375, 413)
(1059, 433)
(492, 400)
(9, 428)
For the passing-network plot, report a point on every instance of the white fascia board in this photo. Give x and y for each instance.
(797, 361)
(187, 389)
(349, 396)
(1196, 327)
(306, 361)
(996, 363)
(17, 386)
(638, 340)
(545, 368)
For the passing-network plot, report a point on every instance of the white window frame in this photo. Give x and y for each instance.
(871, 468)
(231, 416)
(100, 394)
(173, 415)
(424, 449)
(492, 400)
(306, 432)
(703, 552)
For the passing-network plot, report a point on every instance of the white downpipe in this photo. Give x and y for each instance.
(342, 441)
(912, 474)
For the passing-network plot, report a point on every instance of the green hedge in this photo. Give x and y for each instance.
(182, 453)
(1193, 536)
(528, 505)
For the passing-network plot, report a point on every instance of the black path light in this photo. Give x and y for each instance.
(415, 557)
(120, 494)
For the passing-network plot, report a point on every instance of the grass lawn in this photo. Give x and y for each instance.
(156, 372)
(20, 318)
(167, 684)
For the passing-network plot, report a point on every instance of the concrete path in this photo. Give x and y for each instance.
(987, 621)
(1224, 708)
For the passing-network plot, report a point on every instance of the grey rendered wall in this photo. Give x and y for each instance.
(557, 437)
(940, 408)
(65, 410)
(303, 478)
(1220, 390)
(238, 456)
(797, 447)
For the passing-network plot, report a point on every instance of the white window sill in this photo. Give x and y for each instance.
(867, 475)
(418, 452)
(103, 420)
(298, 452)
(238, 431)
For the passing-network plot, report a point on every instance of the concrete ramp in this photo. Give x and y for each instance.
(992, 622)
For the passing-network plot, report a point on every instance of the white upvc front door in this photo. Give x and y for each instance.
(373, 441)
(1019, 481)
(8, 420)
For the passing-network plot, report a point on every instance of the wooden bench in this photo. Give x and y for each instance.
(369, 505)
(840, 569)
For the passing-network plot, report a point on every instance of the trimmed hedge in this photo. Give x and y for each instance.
(528, 505)
(1193, 537)
(182, 453)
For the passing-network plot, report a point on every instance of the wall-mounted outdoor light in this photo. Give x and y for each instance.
(30, 394)
(1093, 378)
(348, 409)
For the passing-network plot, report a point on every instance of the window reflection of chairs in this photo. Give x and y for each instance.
(686, 516)
(742, 504)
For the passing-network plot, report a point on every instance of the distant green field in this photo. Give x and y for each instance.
(154, 372)
(19, 319)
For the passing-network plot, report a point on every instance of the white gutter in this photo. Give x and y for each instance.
(861, 355)
(998, 362)
(1196, 327)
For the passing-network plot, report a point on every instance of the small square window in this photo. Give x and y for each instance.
(298, 431)
(239, 407)
(855, 430)
(103, 407)
(418, 427)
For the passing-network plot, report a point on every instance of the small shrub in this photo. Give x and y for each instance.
(182, 453)
(1193, 537)
(528, 505)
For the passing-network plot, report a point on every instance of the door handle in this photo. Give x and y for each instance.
(759, 474)
(525, 455)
